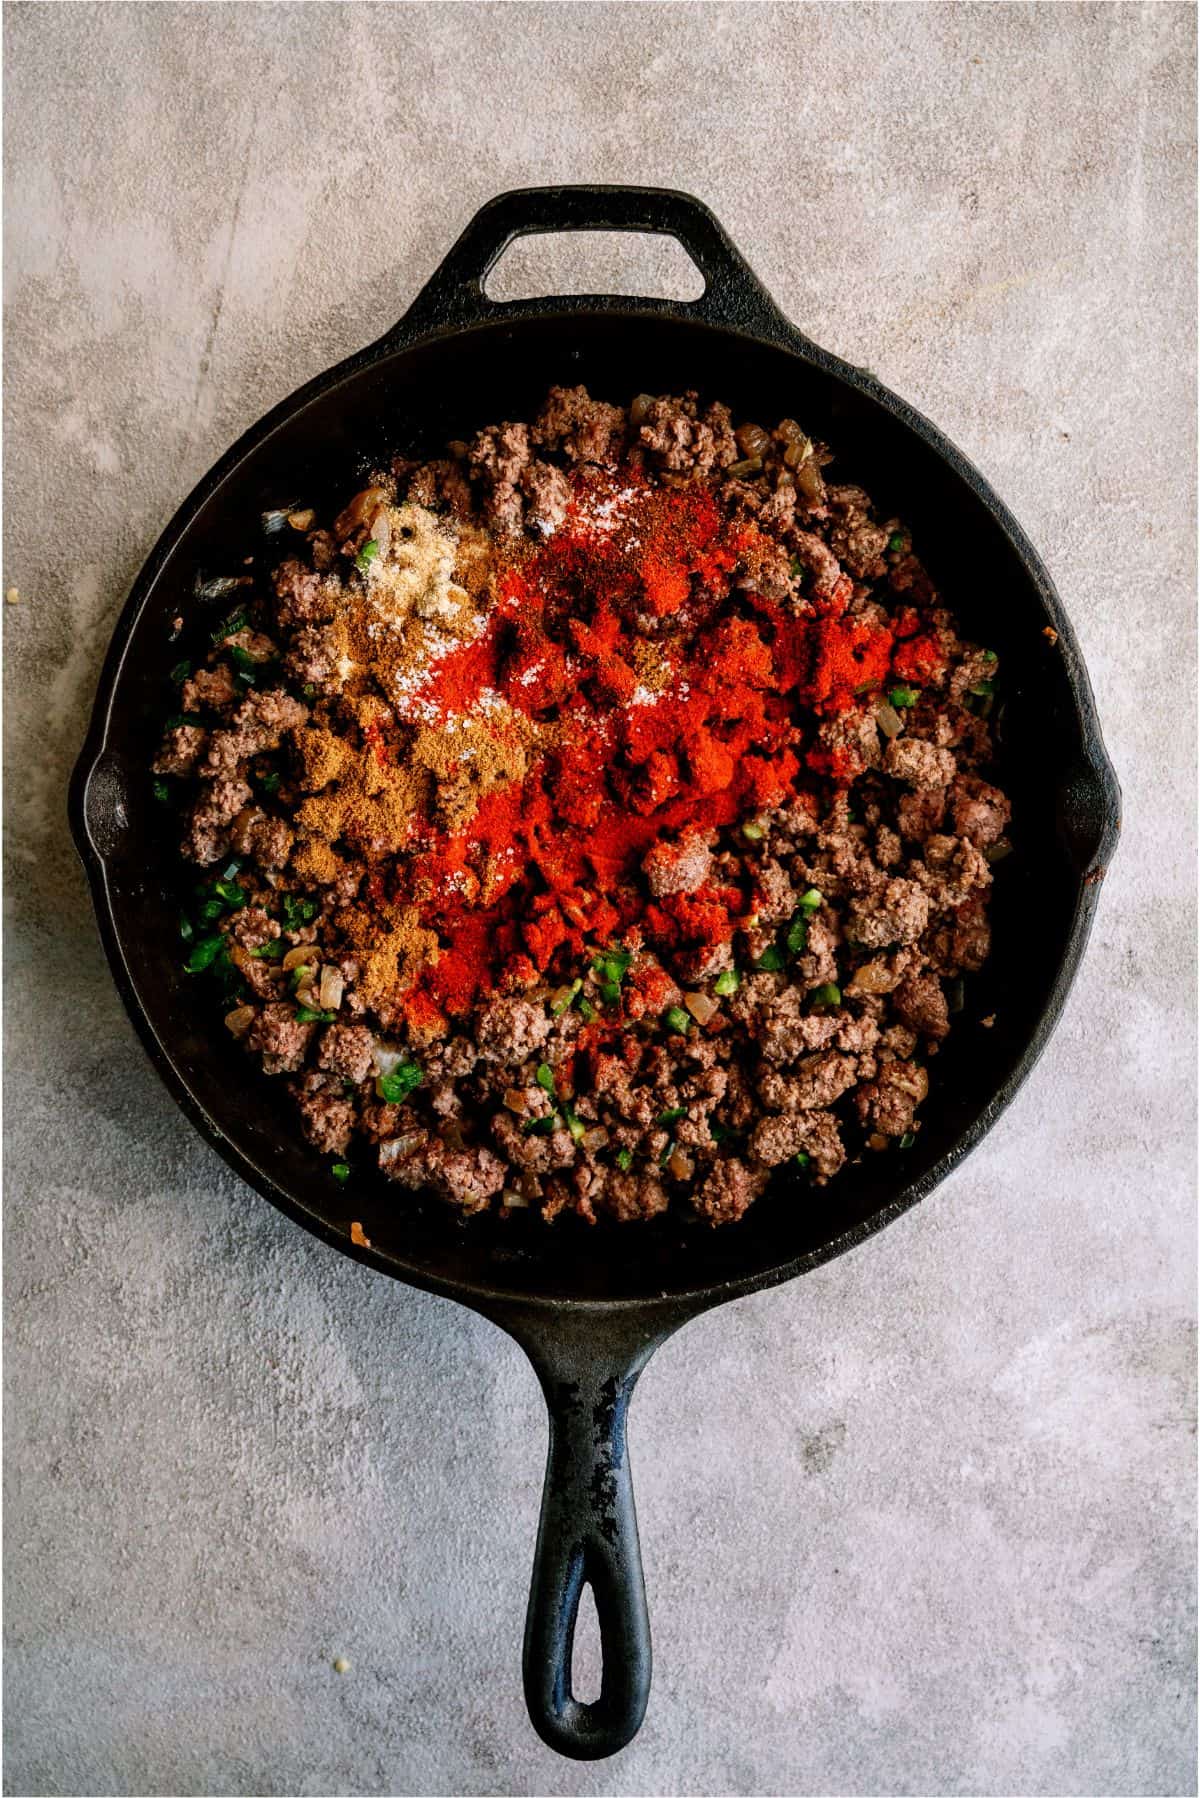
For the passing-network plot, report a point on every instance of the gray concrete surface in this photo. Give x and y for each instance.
(920, 1524)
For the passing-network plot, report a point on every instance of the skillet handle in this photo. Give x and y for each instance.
(587, 1536)
(454, 295)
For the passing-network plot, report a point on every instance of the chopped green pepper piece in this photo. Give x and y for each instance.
(896, 541)
(829, 994)
(610, 992)
(575, 1125)
(543, 1126)
(771, 959)
(242, 659)
(801, 1158)
(298, 911)
(797, 936)
(187, 929)
(677, 1019)
(180, 672)
(308, 690)
(560, 1005)
(796, 568)
(983, 689)
(908, 1139)
(624, 1160)
(367, 553)
(306, 1015)
(672, 1115)
(269, 783)
(210, 911)
(340, 1170)
(298, 975)
(275, 950)
(162, 792)
(718, 1132)
(587, 1011)
(395, 1087)
(230, 626)
(233, 895)
(204, 954)
(903, 697)
(989, 655)
(754, 831)
(811, 901)
(727, 981)
(545, 1076)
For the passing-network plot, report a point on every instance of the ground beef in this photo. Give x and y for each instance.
(511, 1029)
(327, 1115)
(682, 440)
(922, 765)
(348, 1050)
(282, 1040)
(766, 979)
(584, 429)
(729, 1190)
(180, 750)
(677, 867)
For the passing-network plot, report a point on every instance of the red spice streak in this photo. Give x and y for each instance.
(726, 737)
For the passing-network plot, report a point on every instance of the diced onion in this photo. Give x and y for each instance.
(681, 1165)
(237, 1022)
(514, 1099)
(874, 977)
(385, 1059)
(701, 1006)
(515, 1201)
(303, 955)
(399, 1146)
(595, 1138)
(331, 988)
(888, 719)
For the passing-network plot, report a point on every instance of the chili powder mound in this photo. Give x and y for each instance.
(658, 694)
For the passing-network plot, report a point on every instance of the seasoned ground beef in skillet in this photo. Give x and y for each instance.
(592, 819)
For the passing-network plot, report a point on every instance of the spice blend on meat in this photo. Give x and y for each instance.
(599, 815)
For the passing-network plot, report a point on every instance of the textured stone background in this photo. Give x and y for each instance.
(919, 1524)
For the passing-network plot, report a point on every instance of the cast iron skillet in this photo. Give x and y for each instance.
(589, 1308)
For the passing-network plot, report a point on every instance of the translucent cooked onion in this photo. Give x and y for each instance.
(752, 440)
(385, 1058)
(302, 520)
(331, 988)
(303, 955)
(681, 1165)
(888, 719)
(701, 1006)
(514, 1099)
(515, 1201)
(874, 977)
(237, 1022)
(380, 528)
(639, 410)
(595, 1138)
(400, 1146)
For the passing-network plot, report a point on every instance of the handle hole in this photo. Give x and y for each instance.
(587, 1655)
(638, 263)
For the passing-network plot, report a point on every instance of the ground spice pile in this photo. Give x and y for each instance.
(552, 710)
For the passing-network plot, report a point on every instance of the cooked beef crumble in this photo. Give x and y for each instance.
(594, 819)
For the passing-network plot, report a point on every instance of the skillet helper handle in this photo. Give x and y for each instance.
(587, 1535)
(454, 295)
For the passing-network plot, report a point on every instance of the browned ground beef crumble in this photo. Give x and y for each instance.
(819, 1054)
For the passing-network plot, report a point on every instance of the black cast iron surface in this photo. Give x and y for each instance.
(588, 1313)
